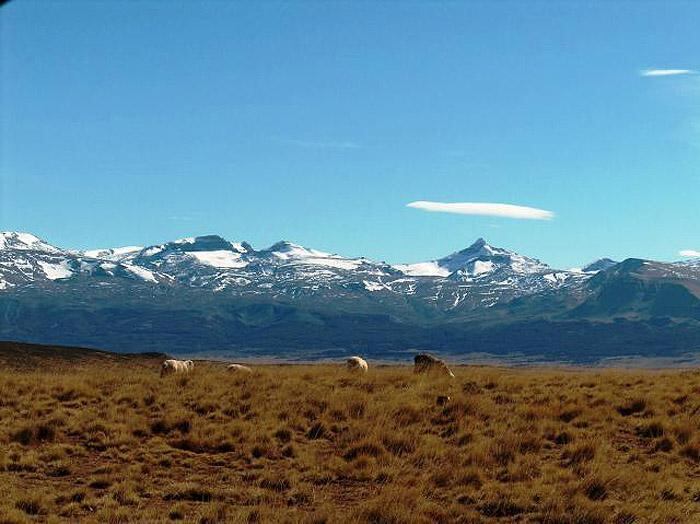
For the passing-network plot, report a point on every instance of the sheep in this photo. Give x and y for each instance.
(425, 363)
(239, 369)
(357, 364)
(176, 366)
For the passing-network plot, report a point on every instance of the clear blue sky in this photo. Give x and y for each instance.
(317, 122)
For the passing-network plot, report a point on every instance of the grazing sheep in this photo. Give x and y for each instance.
(357, 364)
(425, 363)
(176, 366)
(239, 368)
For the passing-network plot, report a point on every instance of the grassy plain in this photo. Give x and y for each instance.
(110, 441)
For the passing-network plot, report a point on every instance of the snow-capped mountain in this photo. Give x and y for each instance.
(478, 275)
(206, 292)
(478, 259)
(24, 242)
(483, 276)
(26, 260)
(218, 264)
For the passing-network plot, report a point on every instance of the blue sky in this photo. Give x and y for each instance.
(136, 123)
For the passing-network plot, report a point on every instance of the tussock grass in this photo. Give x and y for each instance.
(315, 444)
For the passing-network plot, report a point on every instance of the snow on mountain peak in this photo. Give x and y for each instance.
(221, 258)
(287, 250)
(481, 257)
(207, 243)
(423, 269)
(115, 253)
(206, 250)
(478, 259)
(24, 241)
(290, 253)
(209, 250)
(212, 260)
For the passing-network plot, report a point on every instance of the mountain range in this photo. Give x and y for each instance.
(210, 296)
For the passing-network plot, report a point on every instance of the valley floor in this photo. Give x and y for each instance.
(113, 442)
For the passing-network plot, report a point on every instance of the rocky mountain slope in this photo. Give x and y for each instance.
(208, 294)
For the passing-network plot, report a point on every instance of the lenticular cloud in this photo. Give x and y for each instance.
(484, 209)
(666, 72)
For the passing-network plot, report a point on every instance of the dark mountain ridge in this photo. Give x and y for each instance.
(207, 295)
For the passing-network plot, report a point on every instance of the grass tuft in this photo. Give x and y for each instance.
(310, 443)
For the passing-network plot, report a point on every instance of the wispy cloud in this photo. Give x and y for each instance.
(320, 144)
(484, 209)
(666, 72)
(689, 253)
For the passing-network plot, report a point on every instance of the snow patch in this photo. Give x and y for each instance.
(140, 272)
(481, 267)
(423, 269)
(221, 259)
(55, 271)
(336, 262)
(152, 251)
(296, 254)
(24, 241)
(374, 286)
(186, 240)
(287, 251)
(112, 253)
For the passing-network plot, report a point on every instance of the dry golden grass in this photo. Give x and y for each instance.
(315, 444)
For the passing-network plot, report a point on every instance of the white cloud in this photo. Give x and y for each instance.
(689, 253)
(484, 208)
(666, 72)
